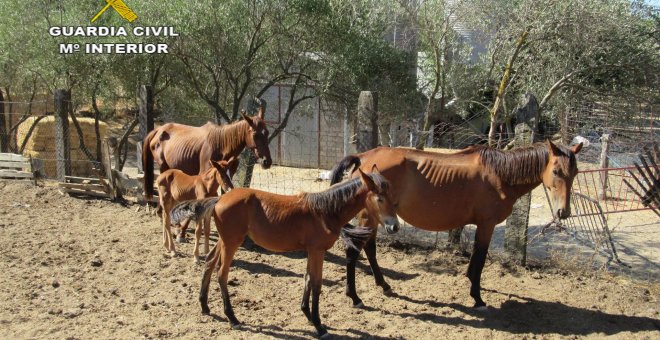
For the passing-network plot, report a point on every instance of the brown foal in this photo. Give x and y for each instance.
(307, 221)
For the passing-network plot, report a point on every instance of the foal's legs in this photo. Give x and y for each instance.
(227, 254)
(477, 260)
(207, 234)
(165, 202)
(212, 260)
(314, 278)
(198, 234)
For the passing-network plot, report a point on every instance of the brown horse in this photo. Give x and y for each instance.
(308, 221)
(175, 186)
(189, 148)
(478, 185)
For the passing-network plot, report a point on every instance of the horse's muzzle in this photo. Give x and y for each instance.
(563, 213)
(391, 225)
(266, 163)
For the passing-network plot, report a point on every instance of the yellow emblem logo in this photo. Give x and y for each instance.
(121, 9)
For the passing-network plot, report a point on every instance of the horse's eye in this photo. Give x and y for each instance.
(555, 172)
(380, 199)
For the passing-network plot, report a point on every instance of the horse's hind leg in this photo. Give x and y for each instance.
(477, 260)
(352, 255)
(370, 250)
(211, 262)
(227, 254)
(315, 267)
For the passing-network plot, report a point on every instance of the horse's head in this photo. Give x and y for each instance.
(558, 176)
(379, 204)
(257, 138)
(219, 172)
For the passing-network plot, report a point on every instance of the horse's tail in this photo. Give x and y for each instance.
(193, 209)
(337, 172)
(355, 237)
(148, 165)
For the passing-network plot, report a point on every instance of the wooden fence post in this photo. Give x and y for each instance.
(604, 163)
(4, 137)
(367, 122)
(107, 167)
(515, 234)
(146, 114)
(63, 148)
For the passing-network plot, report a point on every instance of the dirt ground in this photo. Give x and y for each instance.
(80, 268)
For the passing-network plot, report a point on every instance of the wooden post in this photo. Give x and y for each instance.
(107, 167)
(4, 137)
(604, 164)
(515, 234)
(63, 149)
(367, 129)
(146, 114)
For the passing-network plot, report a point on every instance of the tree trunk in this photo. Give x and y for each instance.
(501, 91)
(4, 138)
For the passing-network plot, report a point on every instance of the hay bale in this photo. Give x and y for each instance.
(42, 144)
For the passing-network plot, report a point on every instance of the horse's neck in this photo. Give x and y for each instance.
(231, 139)
(514, 192)
(350, 209)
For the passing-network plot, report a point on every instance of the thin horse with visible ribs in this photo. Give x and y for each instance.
(189, 148)
(477, 185)
(280, 223)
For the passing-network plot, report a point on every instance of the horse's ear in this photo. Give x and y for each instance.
(367, 181)
(247, 119)
(576, 148)
(374, 169)
(553, 148)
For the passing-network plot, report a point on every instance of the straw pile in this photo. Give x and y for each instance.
(42, 144)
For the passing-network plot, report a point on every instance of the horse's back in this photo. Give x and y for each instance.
(180, 146)
(435, 191)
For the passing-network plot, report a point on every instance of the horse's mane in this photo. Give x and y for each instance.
(229, 136)
(331, 201)
(522, 165)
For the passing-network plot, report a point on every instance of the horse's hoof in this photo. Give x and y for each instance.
(181, 239)
(359, 305)
(236, 325)
(482, 308)
(388, 292)
(206, 310)
(325, 335)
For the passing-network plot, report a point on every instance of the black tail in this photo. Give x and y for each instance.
(337, 172)
(148, 165)
(354, 237)
(195, 209)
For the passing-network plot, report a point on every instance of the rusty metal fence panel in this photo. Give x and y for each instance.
(607, 187)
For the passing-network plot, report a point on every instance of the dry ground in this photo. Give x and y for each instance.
(79, 268)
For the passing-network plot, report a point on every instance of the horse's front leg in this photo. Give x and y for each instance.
(315, 265)
(370, 250)
(477, 260)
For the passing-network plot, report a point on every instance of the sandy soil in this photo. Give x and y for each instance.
(78, 269)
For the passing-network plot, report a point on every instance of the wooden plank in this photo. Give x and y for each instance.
(15, 174)
(74, 179)
(12, 157)
(88, 193)
(14, 165)
(82, 186)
